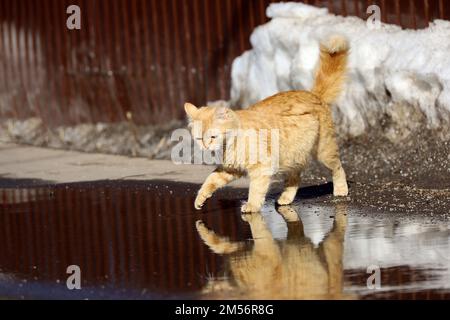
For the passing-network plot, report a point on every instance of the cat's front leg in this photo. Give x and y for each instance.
(291, 187)
(259, 185)
(218, 244)
(215, 180)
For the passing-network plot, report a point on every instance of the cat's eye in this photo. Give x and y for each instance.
(198, 138)
(213, 137)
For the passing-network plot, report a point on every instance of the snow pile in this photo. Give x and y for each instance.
(397, 78)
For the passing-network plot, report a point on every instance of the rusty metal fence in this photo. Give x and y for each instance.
(138, 56)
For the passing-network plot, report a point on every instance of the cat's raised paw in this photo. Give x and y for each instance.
(199, 202)
(199, 224)
(248, 208)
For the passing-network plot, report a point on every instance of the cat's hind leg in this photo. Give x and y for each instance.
(259, 185)
(292, 183)
(340, 187)
(328, 155)
(215, 180)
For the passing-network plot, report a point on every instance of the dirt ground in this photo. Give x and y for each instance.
(412, 175)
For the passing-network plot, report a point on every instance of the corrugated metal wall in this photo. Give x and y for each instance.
(143, 57)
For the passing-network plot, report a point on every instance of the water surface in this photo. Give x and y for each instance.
(138, 240)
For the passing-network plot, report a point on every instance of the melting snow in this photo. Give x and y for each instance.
(402, 74)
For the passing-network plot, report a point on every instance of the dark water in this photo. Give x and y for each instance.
(139, 240)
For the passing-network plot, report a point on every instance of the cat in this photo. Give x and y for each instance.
(305, 127)
(290, 269)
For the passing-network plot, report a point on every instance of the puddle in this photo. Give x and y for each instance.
(139, 240)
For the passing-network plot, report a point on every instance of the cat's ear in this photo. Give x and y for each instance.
(191, 110)
(224, 114)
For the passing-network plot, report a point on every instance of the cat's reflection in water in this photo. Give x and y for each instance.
(270, 269)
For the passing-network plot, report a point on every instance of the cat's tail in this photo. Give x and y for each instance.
(331, 71)
(217, 244)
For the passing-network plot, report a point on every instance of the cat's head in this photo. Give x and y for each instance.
(209, 125)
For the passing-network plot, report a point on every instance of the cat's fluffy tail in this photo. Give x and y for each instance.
(331, 71)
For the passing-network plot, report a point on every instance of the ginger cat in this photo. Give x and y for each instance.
(291, 269)
(305, 126)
